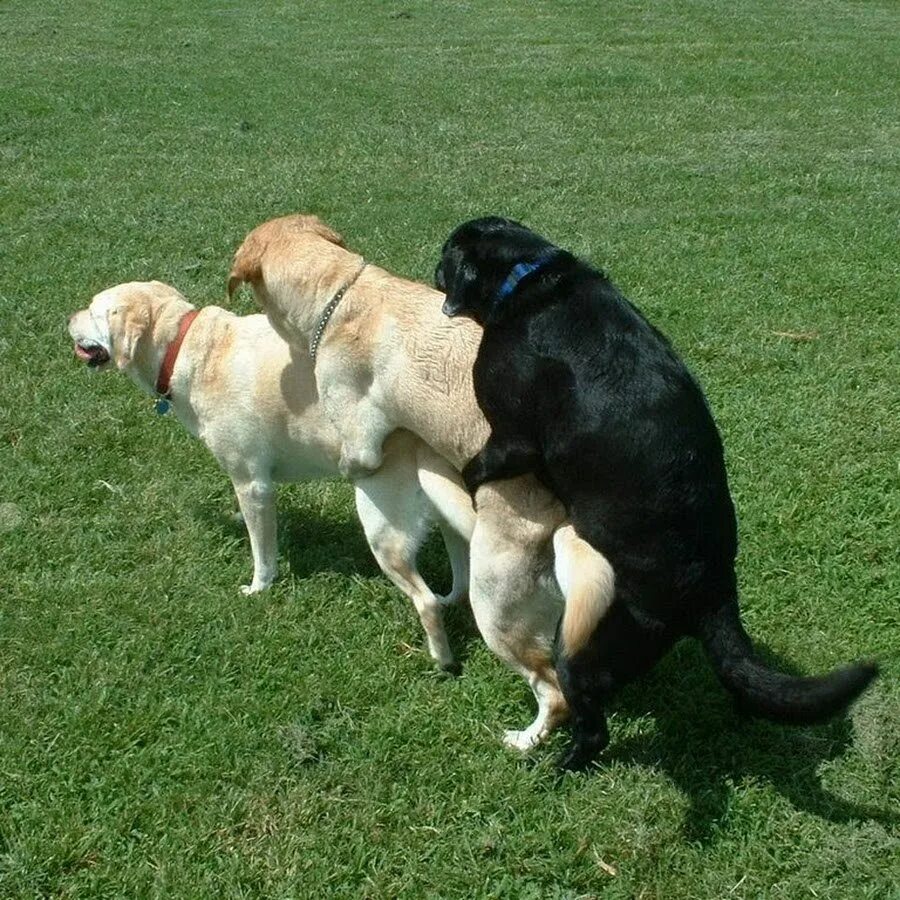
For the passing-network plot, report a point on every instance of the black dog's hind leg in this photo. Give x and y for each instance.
(590, 734)
(621, 649)
(501, 457)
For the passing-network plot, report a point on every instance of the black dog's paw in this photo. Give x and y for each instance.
(582, 753)
(500, 459)
(575, 759)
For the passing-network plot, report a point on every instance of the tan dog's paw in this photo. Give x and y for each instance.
(358, 465)
(522, 741)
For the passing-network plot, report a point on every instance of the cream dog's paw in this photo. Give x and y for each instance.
(254, 588)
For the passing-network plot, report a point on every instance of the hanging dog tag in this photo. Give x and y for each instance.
(161, 406)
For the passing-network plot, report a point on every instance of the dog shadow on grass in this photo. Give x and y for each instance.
(312, 544)
(706, 747)
(309, 542)
(700, 743)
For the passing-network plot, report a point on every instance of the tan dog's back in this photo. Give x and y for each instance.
(421, 362)
(387, 334)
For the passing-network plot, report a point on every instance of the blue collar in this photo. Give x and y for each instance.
(520, 270)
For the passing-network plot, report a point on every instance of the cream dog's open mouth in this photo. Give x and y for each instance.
(92, 354)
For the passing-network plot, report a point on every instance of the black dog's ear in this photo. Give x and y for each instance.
(439, 281)
(463, 292)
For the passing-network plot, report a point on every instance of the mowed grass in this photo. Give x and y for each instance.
(734, 167)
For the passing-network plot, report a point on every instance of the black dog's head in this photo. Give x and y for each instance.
(478, 262)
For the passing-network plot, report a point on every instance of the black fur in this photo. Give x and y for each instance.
(582, 391)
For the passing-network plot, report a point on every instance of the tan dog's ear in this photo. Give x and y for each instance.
(234, 282)
(127, 323)
(247, 263)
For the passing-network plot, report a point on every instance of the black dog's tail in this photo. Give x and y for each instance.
(767, 693)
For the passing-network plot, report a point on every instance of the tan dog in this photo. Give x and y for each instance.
(236, 385)
(387, 358)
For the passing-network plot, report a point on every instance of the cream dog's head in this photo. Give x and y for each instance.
(290, 263)
(130, 324)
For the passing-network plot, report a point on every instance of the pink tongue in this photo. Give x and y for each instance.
(81, 353)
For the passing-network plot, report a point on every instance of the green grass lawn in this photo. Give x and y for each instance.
(735, 168)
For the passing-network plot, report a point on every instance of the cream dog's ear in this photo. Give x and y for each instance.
(127, 323)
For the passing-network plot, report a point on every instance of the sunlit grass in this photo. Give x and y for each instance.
(734, 168)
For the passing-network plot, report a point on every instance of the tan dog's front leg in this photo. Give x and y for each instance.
(359, 421)
(362, 435)
(257, 502)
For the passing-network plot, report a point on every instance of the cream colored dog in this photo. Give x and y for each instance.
(236, 385)
(387, 358)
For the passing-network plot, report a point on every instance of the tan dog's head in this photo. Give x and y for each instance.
(120, 322)
(288, 262)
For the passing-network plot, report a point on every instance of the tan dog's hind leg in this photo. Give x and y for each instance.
(515, 615)
(458, 553)
(395, 517)
(257, 502)
(552, 710)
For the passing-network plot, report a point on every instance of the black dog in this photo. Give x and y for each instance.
(582, 391)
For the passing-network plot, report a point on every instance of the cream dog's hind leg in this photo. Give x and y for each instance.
(458, 553)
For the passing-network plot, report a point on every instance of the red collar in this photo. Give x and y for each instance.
(168, 364)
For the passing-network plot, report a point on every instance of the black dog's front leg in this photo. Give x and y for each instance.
(500, 458)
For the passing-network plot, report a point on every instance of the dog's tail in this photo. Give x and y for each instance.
(762, 691)
(588, 584)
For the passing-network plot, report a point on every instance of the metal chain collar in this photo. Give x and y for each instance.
(329, 311)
